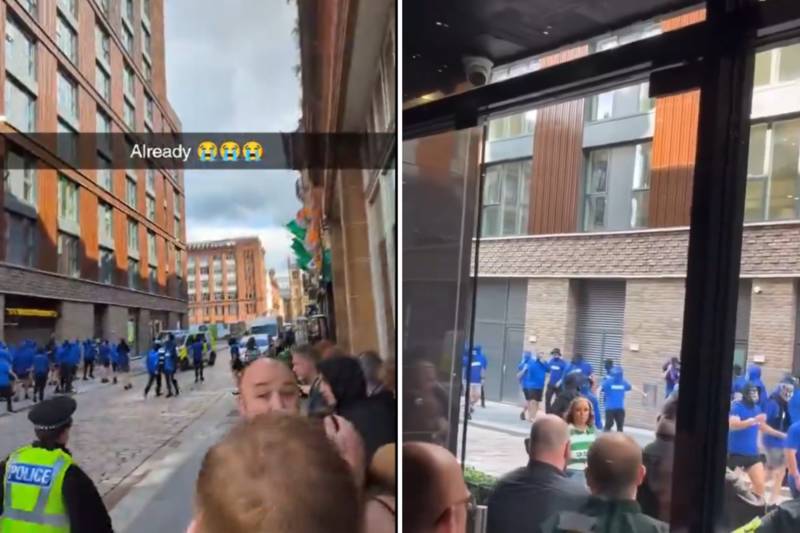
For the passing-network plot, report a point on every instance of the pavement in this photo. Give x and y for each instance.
(495, 438)
(142, 454)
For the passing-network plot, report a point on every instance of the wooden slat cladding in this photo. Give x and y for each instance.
(674, 147)
(557, 160)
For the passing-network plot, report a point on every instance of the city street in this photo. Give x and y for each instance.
(143, 455)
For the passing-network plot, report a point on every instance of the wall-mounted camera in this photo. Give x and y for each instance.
(478, 69)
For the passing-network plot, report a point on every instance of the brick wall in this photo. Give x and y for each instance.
(75, 321)
(766, 249)
(654, 321)
(772, 327)
(550, 315)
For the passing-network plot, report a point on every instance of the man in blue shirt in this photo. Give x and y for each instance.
(475, 375)
(777, 418)
(6, 378)
(155, 366)
(197, 359)
(587, 392)
(579, 365)
(41, 368)
(89, 356)
(746, 420)
(614, 388)
(533, 371)
(792, 452)
(557, 366)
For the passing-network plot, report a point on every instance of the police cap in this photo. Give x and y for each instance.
(53, 413)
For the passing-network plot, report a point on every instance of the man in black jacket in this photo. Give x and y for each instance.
(30, 466)
(524, 498)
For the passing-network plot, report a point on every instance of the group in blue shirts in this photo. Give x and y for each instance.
(32, 365)
(775, 418)
(162, 362)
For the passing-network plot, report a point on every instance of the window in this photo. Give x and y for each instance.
(133, 235)
(146, 9)
(127, 39)
(773, 180)
(505, 199)
(105, 220)
(20, 51)
(103, 132)
(106, 264)
(596, 190)
(66, 39)
(102, 43)
(68, 263)
(149, 106)
(133, 273)
(617, 188)
(622, 102)
(20, 240)
(151, 207)
(20, 106)
(67, 97)
(177, 228)
(104, 172)
(640, 192)
(179, 263)
(130, 117)
(218, 296)
(29, 6)
(67, 199)
(127, 80)
(130, 192)
(150, 179)
(151, 246)
(102, 82)
(69, 7)
(147, 70)
(146, 40)
(20, 179)
(67, 142)
(778, 65)
(232, 309)
(204, 270)
(128, 10)
(176, 203)
(152, 281)
(512, 126)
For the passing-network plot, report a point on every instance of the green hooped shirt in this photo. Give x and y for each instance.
(579, 443)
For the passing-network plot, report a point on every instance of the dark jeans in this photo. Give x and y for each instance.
(154, 378)
(171, 382)
(88, 366)
(66, 374)
(615, 416)
(198, 371)
(552, 392)
(5, 392)
(39, 383)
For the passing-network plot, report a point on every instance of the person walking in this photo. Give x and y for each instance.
(155, 367)
(672, 375)
(777, 411)
(41, 368)
(89, 357)
(114, 363)
(124, 364)
(614, 388)
(7, 378)
(62, 361)
(582, 433)
(73, 360)
(170, 367)
(44, 489)
(533, 371)
(197, 359)
(105, 360)
(475, 372)
(557, 366)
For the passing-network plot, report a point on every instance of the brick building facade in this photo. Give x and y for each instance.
(226, 281)
(87, 252)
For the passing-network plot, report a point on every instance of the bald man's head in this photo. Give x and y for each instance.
(549, 442)
(434, 492)
(614, 466)
(267, 385)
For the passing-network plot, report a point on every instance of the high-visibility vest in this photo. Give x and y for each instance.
(33, 501)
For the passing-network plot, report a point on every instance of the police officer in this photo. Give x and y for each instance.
(48, 491)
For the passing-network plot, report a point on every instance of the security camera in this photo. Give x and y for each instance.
(478, 69)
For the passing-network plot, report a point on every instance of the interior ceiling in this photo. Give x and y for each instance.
(438, 33)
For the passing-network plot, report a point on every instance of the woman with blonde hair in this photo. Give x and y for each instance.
(582, 433)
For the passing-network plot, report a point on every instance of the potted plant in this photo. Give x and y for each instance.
(480, 484)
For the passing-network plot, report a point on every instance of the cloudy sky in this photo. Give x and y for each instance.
(232, 70)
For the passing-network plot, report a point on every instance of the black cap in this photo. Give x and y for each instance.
(53, 413)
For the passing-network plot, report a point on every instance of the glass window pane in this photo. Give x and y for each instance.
(511, 184)
(491, 191)
(603, 106)
(754, 201)
(598, 171)
(491, 221)
(641, 174)
(789, 69)
(757, 151)
(763, 68)
(595, 213)
(784, 176)
(639, 209)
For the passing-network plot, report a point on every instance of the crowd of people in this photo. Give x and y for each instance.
(27, 369)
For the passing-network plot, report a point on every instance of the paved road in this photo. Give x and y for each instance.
(118, 437)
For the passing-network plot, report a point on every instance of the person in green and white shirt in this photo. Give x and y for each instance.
(582, 433)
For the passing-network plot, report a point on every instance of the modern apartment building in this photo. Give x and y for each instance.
(349, 86)
(584, 224)
(87, 252)
(226, 281)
